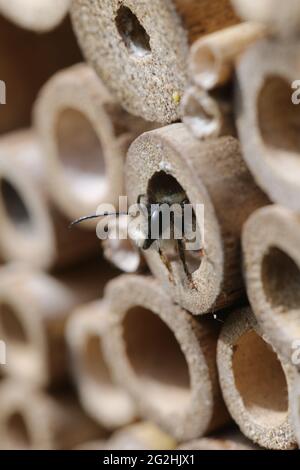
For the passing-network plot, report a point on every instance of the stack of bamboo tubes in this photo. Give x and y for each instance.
(118, 344)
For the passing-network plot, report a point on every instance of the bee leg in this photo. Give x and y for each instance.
(183, 260)
(167, 264)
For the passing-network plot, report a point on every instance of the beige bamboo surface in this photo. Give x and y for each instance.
(147, 70)
(210, 173)
(35, 15)
(180, 393)
(106, 345)
(102, 399)
(256, 382)
(33, 230)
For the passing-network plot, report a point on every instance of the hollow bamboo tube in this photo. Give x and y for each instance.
(256, 382)
(120, 250)
(36, 15)
(163, 357)
(271, 249)
(280, 18)
(34, 308)
(102, 399)
(212, 58)
(32, 229)
(140, 49)
(233, 440)
(20, 52)
(213, 174)
(295, 404)
(32, 420)
(140, 436)
(208, 115)
(268, 119)
(85, 135)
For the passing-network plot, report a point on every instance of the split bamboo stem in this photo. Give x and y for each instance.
(85, 135)
(34, 308)
(102, 399)
(268, 119)
(140, 49)
(163, 357)
(32, 229)
(271, 249)
(36, 15)
(32, 420)
(212, 58)
(208, 115)
(256, 382)
(213, 174)
(281, 18)
(120, 250)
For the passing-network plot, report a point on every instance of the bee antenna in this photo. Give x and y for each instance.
(95, 216)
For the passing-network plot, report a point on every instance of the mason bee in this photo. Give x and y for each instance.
(169, 234)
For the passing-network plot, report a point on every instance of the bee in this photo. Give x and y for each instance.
(161, 225)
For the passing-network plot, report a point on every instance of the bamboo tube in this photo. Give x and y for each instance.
(101, 398)
(36, 15)
(163, 357)
(170, 160)
(140, 49)
(271, 248)
(140, 436)
(34, 308)
(120, 250)
(32, 229)
(280, 17)
(208, 115)
(268, 120)
(295, 404)
(31, 419)
(20, 52)
(212, 58)
(85, 136)
(256, 382)
(224, 441)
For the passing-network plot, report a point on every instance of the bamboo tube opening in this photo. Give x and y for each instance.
(260, 380)
(256, 382)
(279, 120)
(202, 114)
(272, 273)
(15, 206)
(155, 356)
(150, 347)
(207, 65)
(281, 281)
(81, 155)
(17, 430)
(163, 186)
(12, 328)
(25, 360)
(93, 360)
(132, 32)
